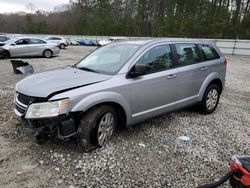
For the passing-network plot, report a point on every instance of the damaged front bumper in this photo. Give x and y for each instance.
(61, 127)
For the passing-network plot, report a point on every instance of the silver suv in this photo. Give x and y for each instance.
(119, 85)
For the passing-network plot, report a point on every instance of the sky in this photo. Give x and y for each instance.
(10, 6)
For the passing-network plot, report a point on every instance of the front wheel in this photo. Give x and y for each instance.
(5, 54)
(210, 99)
(97, 127)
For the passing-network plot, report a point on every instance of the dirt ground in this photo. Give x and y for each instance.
(148, 155)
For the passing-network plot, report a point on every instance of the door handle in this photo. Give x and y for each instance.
(171, 76)
(204, 68)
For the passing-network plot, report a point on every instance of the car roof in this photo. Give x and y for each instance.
(118, 38)
(53, 36)
(26, 37)
(144, 41)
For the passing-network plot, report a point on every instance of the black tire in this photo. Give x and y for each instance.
(5, 54)
(87, 133)
(47, 53)
(41, 138)
(205, 108)
(62, 46)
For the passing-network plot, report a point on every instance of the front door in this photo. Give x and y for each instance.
(19, 48)
(155, 92)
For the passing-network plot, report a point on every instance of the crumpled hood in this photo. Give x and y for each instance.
(46, 83)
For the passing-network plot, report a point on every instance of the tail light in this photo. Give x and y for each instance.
(225, 62)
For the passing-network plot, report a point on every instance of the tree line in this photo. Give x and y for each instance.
(160, 18)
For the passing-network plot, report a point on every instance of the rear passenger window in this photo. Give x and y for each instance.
(209, 52)
(158, 58)
(187, 54)
(36, 41)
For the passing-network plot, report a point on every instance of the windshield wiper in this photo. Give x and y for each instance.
(87, 69)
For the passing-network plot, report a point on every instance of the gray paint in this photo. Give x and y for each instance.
(141, 98)
(46, 83)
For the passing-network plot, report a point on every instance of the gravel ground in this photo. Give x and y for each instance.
(148, 155)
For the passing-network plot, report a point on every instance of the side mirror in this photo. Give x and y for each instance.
(13, 44)
(138, 70)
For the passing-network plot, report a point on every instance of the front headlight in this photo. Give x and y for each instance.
(47, 109)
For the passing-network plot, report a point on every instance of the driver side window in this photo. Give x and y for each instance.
(158, 58)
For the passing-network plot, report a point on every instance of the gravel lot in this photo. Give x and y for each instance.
(148, 155)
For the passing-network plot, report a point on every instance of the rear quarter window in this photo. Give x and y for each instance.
(209, 52)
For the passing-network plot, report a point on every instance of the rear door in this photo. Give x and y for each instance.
(215, 61)
(36, 46)
(192, 71)
(55, 40)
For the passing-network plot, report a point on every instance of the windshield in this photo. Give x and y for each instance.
(108, 59)
(12, 40)
(3, 38)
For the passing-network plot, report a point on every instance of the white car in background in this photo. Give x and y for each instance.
(60, 41)
(108, 41)
(74, 42)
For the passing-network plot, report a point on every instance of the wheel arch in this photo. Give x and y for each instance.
(212, 78)
(218, 82)
(120, 112)
(49, 50)
(106, 98)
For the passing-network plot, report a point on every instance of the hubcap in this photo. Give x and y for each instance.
(212, 99)
(47, 53)
(105, 128)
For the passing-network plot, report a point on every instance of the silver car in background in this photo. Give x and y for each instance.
(121, 84)
(27, 47)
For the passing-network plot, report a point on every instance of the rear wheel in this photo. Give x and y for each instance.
(47, 53)
(210, 99)
(62, 46)
(96, 127)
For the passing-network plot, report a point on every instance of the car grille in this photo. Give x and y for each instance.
(20, 109)
(24, 99)
(22, 102)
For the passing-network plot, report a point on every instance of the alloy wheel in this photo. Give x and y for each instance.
(105, 128)
(212, 99)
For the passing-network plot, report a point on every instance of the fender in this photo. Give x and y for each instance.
(102, 97)
(207, 81)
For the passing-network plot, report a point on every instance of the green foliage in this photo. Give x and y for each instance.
(34, 27)
(162, 18)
